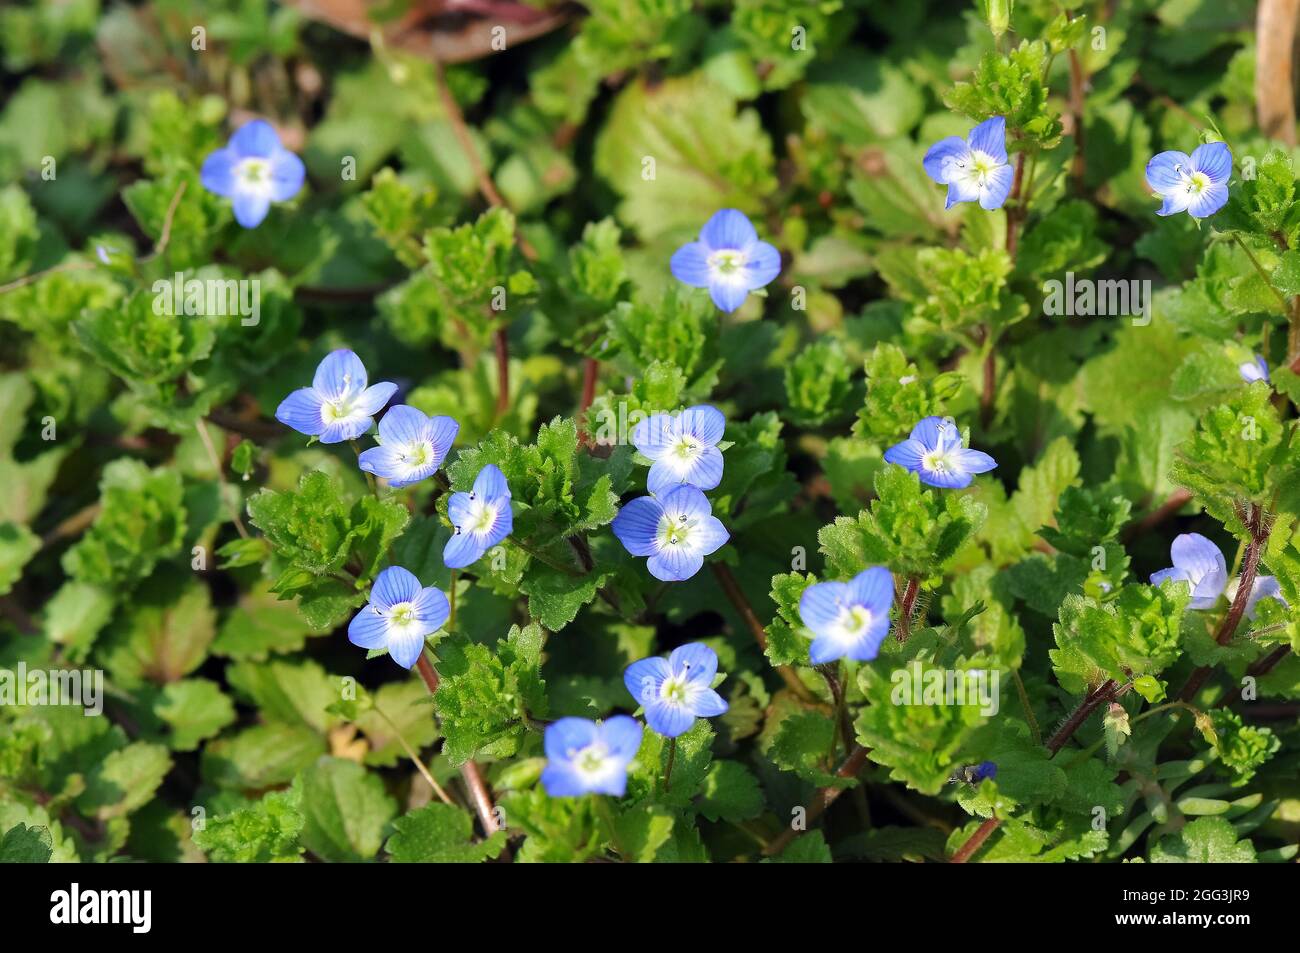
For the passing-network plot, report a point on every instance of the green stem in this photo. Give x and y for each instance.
(606, 815)
(1286, 309)
(668, 771)
(370, 477)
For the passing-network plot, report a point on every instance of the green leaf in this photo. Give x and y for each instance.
(345, 811)
(261, 832)
(26, 845)
(1206, 840)
(440, 834)
(194, 709)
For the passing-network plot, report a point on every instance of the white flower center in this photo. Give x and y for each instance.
(938, 461)
(254, 174)
(853, 621)
(591, 761)
(416, 455)
(976, 168)
(402, 620)
(675, 690)
(674, 530)
(482, 517)
(335, 410)
(726, 262)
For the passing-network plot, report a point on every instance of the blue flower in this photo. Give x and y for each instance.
(676, 530)
(985, 771)
(399, 615)
(338, 405)
(1200, 564)
(975, 169)
(848, 619)
(935, 452)
(1265, 587)
(728, 259)
(1195, 184)
(481, 518)
(1256, 370)
(683, 448)
(253, 170)
(678, 690)
(583, 757)
(412, 446)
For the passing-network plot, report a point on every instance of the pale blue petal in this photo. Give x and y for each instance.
(458, 508)
(674, 564)
(907, 454)
(218, 172)
(730, 229)
(340, 374)
(709, 704)
(705, 423)
(502, 527)
(403, 425)
(762, 265)
(637, 525)
(821, 604)
(990, 138)
(349, 428)
(560, 780)
(867, 647)
(287, 175)
(250, 207)
(1200, 557)
(1215, 160)
(825, 649)
(432, 608)
(728, 293)
(1175, 202)
(685, 502)
(929, 432)
(393, 586)
(961, 189)
(873, 588)
(442, 433)
(708, 536)
(690, 265)
(950, 480)
(301, 410)
(1166, 171)
(622, 736)
(653, 436)
(463, 549)
(368, 629)
(974, 461)
(1265, 587)
(373, 398)
(644, 679)
(695, 660)
(997, 187)
(405, 648)
(567, 734)
(704, 472)
(1208, 201)
(490, 484)
(255, 138)
(1174, 573)
(668, 718)
(383, 461)
(941, 157)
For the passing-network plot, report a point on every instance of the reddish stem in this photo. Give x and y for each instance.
(976, 841)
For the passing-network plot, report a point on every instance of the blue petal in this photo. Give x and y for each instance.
(953, 480)
(1166, 170)
(728, 228)
(250, 207)
(1175, 202)
(941, 156)
(1174, 573)
(463, 549)
(974, 461)
(403, 425)
(442, 434)
(1215, 160)
(1265, 587)
(432, 608)
(708, 536)
(674, 564)
(458, 508)
(1208, 201)
(825, 649)
(668, 718)
(560, 780)
(696, 661)
(762, 265)
(622, 736)
(301, 410)
(567, 734)
(705, 423)
(637, 525)
(929, 432)
(218, 172)
(405, 648)
(709, 704)
(392, 586)
(867, 646)
(368, 629)
(821, 604)
(873, 588)
(383, 461)
(349, 428)
(490, 484)
(644, 679)
(1199, 556)
(990, 138)
(339, 375)
(287, 174)
(705, 472)
(255, 138)
(653, 436)
(907, 454)
(690, 265)
(373, 398)
(502, 527)
(997, 187)
(728, 293)
(685, 502)
(961, 189)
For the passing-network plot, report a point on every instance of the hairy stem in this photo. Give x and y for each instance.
(976, 841)
(905, 609)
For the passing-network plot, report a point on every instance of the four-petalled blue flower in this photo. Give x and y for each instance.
(253, 170)
(677, 690)
(935, 452)
(399, 615)
(1195, 184)
(676, 530)
(338, 405)
(412, 446)
(481, 518)
(848, 619)
(583, 757)
(683, 448)
(1256, 370)
(975, 169)
(728, 259)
